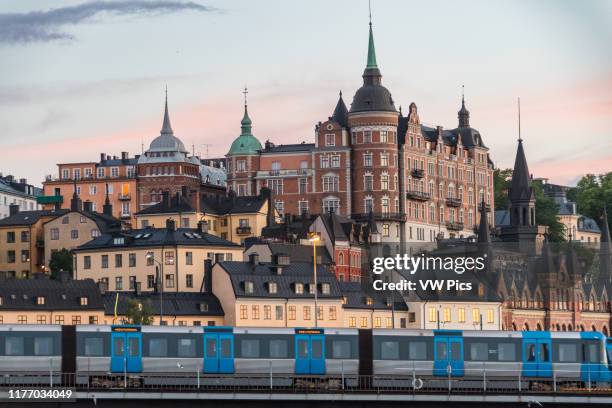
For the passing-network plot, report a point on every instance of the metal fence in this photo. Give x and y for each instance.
(472, 382)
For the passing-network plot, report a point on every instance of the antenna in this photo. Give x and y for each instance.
(519, 119)
(245, 92)
(370, 11)
(462, 93)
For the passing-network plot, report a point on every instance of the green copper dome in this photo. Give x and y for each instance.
(246, 143)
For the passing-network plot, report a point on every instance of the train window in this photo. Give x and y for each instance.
(590, 352)
(211, 348)
(133, 347)
(479, 351)
(568, 353)
(278, 349)
(389, 350)
(456, 351)
(544, 352)
(158, 347)
(530, 352)
(506, 352)
(118, 346)
(186, 348)
(417, 350)
(250, 348)
(341, 349)
(13, 346)
(226, 348)
(317, 349)
(302, 348)
(43, 346)
(94, 346)
(441, 350)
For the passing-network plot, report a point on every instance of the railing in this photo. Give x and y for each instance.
(380, 216)
(418, 195)
(243, 230)
(454, 226)
(283, 173)
(410, 380)
(453, 202)
(124, 197)
(418, 173)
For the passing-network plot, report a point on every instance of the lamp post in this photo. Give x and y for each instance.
(314, 238)
(159, 271)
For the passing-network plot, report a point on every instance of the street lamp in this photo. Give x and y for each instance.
(159, 272)
(314, 238)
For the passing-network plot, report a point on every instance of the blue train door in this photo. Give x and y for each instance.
(537, 354)
(593, 363)
(126, 349)
(309, 351)
(218, 350)
(609, 353)
(448, 353)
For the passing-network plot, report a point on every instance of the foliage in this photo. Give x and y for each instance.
(546, 214)
(501, 182)
(139, 312)
(60, 260)
(590, 195)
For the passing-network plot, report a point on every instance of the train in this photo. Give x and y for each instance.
(151, 353)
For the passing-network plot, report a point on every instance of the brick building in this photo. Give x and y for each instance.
(419, 182)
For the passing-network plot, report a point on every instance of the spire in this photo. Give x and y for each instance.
(520, 187)
(605, 229)
(605, 260)
(371, 74)
(107, 208)
(245, 124)
(75, 202)
(371, 50)
(340, 114)
(166, 128)
(483, 228)
(463, 114)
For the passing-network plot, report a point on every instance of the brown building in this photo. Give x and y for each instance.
(419, 182)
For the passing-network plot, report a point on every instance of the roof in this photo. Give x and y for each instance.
(174, 204)
(25, 218)
(174, 303)
(469, 136)
(232, 204)
(586, 224)
(356, 297)
(520, 187)
(294, 273)
(340, 114)
(213, 175)
(14, 188)
(246, 143)
(150, 237)
(288, 148)
(296, 252)
(21, 294)
(118, 161)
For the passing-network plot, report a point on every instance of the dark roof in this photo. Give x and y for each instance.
(484, 233)
(587, 224)
(270, 147)
(11, 186)
(356, 297)
(118, 162)
(340, 114)
(21, 294)
(469, 136)
(295, 272)
(175, 204)
(520, 187)
(232, 204)
(372, 97)
(291, 230)
(298, 253)
(30, 217)
(175, 303)
(148, 237)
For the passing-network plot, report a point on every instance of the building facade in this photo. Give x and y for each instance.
(18, 192)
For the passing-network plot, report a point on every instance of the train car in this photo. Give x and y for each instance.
(579, 356)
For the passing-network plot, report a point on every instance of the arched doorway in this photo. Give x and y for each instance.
(563, 327)
(558, 327)
(514, 328)
(593, 328)
(581, 327)
(569, 327)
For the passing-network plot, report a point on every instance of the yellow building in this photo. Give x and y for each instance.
(22, 242)
(232, 218)
(124, 260)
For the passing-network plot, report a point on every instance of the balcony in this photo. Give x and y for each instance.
(380, 216)
(453, 202)
(454, 226)
(54, 199)
(125, 197)
(126, 216)
(418, 173)
(417, 195)
(243, 230)
(262, 174)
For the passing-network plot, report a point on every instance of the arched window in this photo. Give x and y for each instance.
(604, 330)
(526, 326)
(514, 328)
(341, 259)
(539, 327)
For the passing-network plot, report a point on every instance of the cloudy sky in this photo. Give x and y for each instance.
(79, 78)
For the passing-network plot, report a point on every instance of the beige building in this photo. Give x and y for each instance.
(22, 242)
(457, 315)
(124, 259)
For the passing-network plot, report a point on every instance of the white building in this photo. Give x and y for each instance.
(18, 192)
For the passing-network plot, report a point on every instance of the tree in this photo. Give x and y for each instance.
(501, 182)
(139, 312)
(60, 260)
(546, 214)
(591, 193)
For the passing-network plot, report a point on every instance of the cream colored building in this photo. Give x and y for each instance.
(457, 315)
(125, 259)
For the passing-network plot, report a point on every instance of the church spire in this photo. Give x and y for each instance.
(463, 114)
(484, 234)
(605, 255)
(371, 74)
(371, 50)
(245, 123)
(166, 128)
(340, 114)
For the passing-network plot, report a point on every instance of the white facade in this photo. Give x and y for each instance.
(10, 195)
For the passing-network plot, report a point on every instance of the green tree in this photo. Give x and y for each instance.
(590, 195)
(501, 182)
(139, 312)
(546, 214)
(60, 260)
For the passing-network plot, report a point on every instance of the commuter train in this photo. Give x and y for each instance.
(398, 355)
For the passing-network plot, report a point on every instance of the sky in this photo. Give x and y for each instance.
(79, 78)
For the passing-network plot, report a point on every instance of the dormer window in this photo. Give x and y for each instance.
(299, 288)
(272, 288)
(369, 301)
(312, 288)
(40, 300)
(325, 288)
(248, 287)
(119, 241)
(344, 300)
(83, 300)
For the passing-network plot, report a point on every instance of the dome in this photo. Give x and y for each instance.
(372, 98)
(246, 143)
(167, 143)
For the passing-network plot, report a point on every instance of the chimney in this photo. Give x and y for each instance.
(266, 193)
(203, 227)
(102, 157)
(102, 286)
(124, 155)
(207, 276)
(23, 181)
(254, 259)
(87, 206)
(13, 209)
(137, 287)
(166, 199)
(170, 224)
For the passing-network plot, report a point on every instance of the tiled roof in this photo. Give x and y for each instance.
(295, 272)
(356, 296)
(232, 205)
(30, 217)
(288, 148)
(175, 304)
(21, 294)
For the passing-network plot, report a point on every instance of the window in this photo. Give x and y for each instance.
(368, 182)
(490, 316)
(303, 185)
(249, 348)
(25, 236)
(150, 258)
(303, 207)
(330, 140)
(352, 321)
(568, 353)
(25, 255)
(367, 159)
(461, 315)
(279, 349)
(324, 162)
(389, 350)
(255, 312)
(158, 347)
(433, 315)
(244, 312)
(59, 319)
(417, 350)
(332, 313)
(189, 280)
(383, 136)
(94, 346)
(76, 319)
(169, 258)
(279, 313)
(132, 260)
(189, 257)
(479, 352)
(475, 315)
(384, 182)
(335, 161)
(132, 279)
(104, 261)
(241, 165)
(272, 288)
(150, 281)
(291, 312)
(368, 205)
(276, 185)
(118, 283)
(330, 183)
(367, 136)
(13, 346)
(341, 349)
(248, 287)
(385, 229)
(506, 352)
(267, 312)
(331, 205)
(169, 280)
(280, 207)
(186, 348)
(306, 313)
(384, 159)
(54, 233)
(325, 288)
(118, 260)
(41, 319)
(364, 322)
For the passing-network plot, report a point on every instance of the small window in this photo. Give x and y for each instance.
(278, 349)
(591, 353)
(389, 350)
(158, 347)
(186, 348)
(13, 346)
(568, 353)
(250, 348)
(479, 352)
(506, 352)
(417, 350)
(94, 346)
(341, 349)
(43, 346)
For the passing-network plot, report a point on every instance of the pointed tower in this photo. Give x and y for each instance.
(166, 128)
(463, 114)
(340, 114)
(484, 233)
(107, 208)
(75, 201)
(605, 250)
